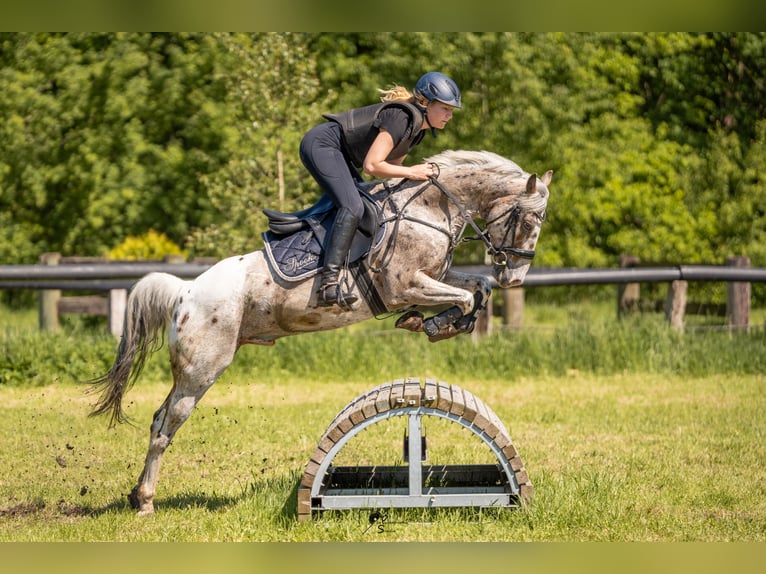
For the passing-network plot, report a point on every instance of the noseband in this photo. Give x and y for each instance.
(500, 255)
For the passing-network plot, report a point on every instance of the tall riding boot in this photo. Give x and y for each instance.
(336, 251)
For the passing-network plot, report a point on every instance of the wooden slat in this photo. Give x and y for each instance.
(430, 395)
(412, 393)
(382, 402)
(458, 403)
(469, 413)
(304, 504)
(85, 305)
(444, 397)
(397, 394)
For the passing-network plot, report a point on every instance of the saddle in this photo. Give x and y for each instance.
(294, 241)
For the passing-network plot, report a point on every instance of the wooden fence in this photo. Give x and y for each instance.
(113, 279)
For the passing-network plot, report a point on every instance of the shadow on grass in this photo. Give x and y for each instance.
(200, 500)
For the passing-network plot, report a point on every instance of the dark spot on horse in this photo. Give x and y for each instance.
(310, 319)
(181, 300)
(214, 320)
(184, 319)
(175, 316)
(241, 258)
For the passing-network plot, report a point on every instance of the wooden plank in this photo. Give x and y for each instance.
(458, 403)
(469, 413)
(444, 397)
(368, 407)
(356, 416)
(326, 443)
(335, 433)
(312, 467)
(83, 305)
(510, 452)
(397, 394)
(502, 440)
(430, 394)
(526, 491)
(412, 392)
(383, 400)
(304, 503)
(482, 415)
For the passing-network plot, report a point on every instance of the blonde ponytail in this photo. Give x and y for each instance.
(396, 94)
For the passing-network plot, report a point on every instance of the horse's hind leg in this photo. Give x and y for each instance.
(190, 385)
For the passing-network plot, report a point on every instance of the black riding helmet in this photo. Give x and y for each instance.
(436, 86)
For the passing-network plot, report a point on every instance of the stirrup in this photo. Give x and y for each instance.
(342, 300)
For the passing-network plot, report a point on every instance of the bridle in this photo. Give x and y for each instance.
(500, 255)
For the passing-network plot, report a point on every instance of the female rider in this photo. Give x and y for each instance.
(375, 138)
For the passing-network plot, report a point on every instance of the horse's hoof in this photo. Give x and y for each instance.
(411, 321)
(446, 333)
(146, 511)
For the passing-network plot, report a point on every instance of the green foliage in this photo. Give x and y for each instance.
(656, 139)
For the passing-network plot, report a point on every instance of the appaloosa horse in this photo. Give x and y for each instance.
(246, 299)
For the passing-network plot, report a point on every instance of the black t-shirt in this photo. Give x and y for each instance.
(397, 122)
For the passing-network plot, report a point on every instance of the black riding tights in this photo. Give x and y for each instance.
(321, 153)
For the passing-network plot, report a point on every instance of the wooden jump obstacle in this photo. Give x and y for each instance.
(415, 485)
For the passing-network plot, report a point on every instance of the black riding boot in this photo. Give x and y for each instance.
(336, 251)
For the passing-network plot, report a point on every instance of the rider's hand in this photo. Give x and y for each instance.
(422, 171)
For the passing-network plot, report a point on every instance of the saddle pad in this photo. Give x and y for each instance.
(295, 257)
(299, 256)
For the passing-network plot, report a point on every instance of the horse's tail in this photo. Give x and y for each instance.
(148, 309)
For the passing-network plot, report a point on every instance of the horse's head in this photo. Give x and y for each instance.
(513, 226)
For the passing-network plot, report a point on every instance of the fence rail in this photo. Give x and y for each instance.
(106, 276)
(116, 278)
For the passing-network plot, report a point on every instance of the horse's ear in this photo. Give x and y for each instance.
(547, 177)
(532, 184)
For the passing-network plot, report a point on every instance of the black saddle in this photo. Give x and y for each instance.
(294, 241)
(289, 223)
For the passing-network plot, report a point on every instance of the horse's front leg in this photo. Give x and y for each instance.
(469, 293)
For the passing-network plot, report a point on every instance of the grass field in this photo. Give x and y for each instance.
(629, 432)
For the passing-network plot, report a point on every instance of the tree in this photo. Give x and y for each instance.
(273, 93)
(106, 136)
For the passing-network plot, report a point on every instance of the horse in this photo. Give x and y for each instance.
(243, 299)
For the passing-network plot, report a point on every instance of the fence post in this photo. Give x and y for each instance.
(628, 294)
(513, 307)
(483, 324)
(49, 298)
(675, 305)
(738, 297)
(115, 310)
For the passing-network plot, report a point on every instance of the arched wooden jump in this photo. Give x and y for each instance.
(324, 486)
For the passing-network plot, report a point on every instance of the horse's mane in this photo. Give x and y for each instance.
(492, 162)
(486, 159)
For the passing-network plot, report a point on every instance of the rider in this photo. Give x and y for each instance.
(375, 138)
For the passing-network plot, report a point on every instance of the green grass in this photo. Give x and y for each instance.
(629, 430)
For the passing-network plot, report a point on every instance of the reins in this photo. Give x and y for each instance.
(499, 255)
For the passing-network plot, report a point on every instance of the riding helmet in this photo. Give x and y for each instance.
(436, 86)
